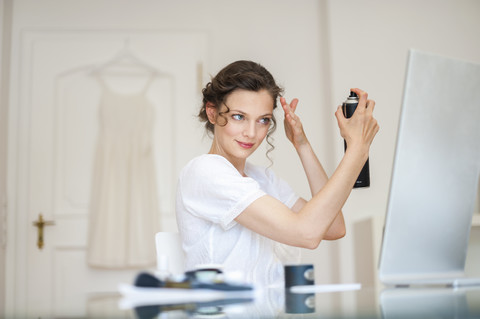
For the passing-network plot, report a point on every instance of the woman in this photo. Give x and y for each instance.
(233, 213)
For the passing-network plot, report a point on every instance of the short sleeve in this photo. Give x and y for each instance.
(212, 189)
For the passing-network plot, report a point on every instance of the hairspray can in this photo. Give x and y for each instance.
(349, 107)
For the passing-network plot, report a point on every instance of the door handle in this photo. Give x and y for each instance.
(40, 223)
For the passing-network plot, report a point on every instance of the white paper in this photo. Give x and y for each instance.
(324, 288)
(140, 296)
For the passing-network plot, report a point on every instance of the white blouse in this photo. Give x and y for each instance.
(211, 193)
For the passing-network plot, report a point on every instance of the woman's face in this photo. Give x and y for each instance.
(248, 121)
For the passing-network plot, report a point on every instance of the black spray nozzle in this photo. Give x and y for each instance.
(353, 94)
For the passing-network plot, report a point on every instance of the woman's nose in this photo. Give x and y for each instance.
(250, 129)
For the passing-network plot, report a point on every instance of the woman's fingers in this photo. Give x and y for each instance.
(362, 126)
(370, 106)
(293, 124)
(287, 108)
(339, 112)
(290, 116)
(293, 104)
(370, 103)
(362, 97)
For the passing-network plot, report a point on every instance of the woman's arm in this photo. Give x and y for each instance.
(311, 224)
(316, 175)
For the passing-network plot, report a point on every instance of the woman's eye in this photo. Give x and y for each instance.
(237, 117)
(265, 120)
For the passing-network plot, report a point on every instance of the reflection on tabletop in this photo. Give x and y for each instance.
(323, 301)
(201, 294)
(421, 302)
(365, 303)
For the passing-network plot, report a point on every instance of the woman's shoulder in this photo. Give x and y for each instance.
(205, 163)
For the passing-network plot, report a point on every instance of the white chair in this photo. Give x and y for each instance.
(170, 257)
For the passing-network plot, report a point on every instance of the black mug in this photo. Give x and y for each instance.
(299, 275)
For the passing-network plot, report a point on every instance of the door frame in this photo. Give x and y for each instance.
(5, 46)
(18, 210)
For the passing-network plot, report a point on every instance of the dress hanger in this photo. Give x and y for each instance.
(126, 61)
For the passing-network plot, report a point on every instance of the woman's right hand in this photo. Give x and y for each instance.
(293, 126)
(360, 129)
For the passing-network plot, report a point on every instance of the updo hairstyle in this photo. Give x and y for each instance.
(239, 75)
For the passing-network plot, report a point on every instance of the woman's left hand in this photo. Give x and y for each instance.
(293, 125)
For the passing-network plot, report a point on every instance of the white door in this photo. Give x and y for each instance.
(55, 103)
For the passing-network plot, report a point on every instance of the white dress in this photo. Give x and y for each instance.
(124, 209)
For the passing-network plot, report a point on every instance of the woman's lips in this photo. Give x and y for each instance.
(245, 145)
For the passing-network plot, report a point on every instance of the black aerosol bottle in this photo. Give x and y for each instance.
(349, 107)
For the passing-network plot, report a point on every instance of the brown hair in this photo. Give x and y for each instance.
(239, 75)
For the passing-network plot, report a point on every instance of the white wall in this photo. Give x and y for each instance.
(369, 43)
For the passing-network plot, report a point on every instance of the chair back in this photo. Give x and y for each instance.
(170, 257)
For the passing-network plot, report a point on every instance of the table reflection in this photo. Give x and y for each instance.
(269, 303)
(216, 309)
(299, 303)
(423, 302)
(430, 302)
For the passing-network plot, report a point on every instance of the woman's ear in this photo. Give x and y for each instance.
(211, 112)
